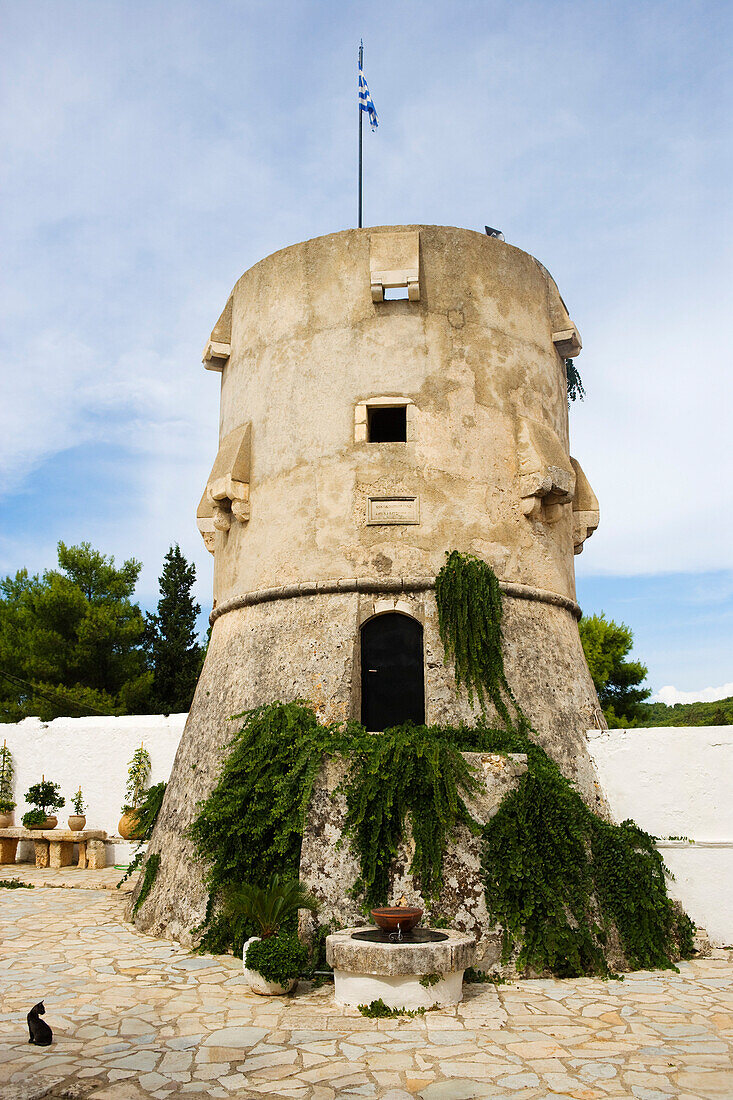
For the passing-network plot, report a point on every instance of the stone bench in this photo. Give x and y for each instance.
(55, 847)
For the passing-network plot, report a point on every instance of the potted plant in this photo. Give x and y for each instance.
(7, 805)
(77, 820)
(45, 796)
(274, 960)
(138, 774)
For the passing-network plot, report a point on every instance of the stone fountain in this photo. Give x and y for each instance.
(404, 966)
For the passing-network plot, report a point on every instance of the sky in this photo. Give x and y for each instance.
(154, 151)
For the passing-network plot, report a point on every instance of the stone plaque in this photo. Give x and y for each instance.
(393, 510)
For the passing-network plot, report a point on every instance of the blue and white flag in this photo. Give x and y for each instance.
(365, 101)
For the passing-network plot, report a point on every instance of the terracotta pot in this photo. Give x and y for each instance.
(77, 822)
(393, 917)
(7, 820)
(49, 823)
(257, 983)
(129, 828)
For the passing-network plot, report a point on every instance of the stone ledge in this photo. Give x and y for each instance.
(17, 832)
(362, 957)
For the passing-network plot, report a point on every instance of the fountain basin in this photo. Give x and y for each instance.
(367, 970)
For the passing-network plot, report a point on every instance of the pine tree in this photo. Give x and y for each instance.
(71, 640)
(606, 645)
(172, 642)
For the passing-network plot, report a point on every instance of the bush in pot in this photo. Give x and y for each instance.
(7, 816)
(274, 960)
(78, 820)
(278, 960)
(45, 797)
(7, 805)
(138, 774)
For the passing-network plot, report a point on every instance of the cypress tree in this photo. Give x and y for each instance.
(172, 642)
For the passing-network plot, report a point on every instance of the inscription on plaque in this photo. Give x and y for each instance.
(393, 510)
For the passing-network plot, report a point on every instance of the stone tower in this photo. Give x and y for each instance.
(387, 395)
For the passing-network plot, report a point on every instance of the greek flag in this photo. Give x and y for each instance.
(365, 100)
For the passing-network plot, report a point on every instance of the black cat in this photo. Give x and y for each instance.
(40, 1032)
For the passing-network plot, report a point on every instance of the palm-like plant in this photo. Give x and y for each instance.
(268, 907)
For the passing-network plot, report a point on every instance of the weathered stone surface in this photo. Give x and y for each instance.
(344, 953)
(329, 867)
(486, 387)
(667, 1032)
(61, 853)
(96, 856)
(8, 849)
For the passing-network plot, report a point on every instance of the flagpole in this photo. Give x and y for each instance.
(361, 113)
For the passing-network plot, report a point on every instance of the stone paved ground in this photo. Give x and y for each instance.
(135, 1017)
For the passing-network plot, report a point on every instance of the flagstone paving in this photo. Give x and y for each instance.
(135, 1017)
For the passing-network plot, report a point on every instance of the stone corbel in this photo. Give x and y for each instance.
(586, 511)
(216, 355)
(205, 522)
(568, 343)
(547, 479)
(394, 261)
(226, 497)
(219, 345)
(544, 492)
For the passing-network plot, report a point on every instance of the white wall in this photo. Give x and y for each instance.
(92, 752)
(678, 781)
(672, 781)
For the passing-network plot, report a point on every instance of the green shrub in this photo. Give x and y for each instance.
(34, 819)
(267, 908)
(45, 796)
(278, 958)
(78, 803)
(378, 1010)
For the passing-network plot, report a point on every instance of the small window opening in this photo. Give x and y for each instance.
(387, 425)
(395, 294)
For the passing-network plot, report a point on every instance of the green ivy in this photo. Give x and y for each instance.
(428, 980)
(566, 886)
(145, 817)
(151, 870)
(469, 616)
(252, 823)
(575, 386)
(410, 771)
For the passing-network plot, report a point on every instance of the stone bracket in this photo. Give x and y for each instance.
(548, 489)
(394, 261)
(216, 355)
(567, 343)
(546, 475)
(219, 347)
(226, 495)
(586, 512)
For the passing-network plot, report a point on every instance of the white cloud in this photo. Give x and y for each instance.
(139, 184)
(671, 695)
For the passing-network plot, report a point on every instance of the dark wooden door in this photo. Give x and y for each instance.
(392, 678)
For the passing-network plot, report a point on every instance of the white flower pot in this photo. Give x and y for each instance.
(260, 985)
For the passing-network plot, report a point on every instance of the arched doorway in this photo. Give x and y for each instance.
(392, 677)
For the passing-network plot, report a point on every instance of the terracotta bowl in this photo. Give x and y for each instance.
(397, 916)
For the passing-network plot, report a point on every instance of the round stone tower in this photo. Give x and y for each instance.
(387, 395)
